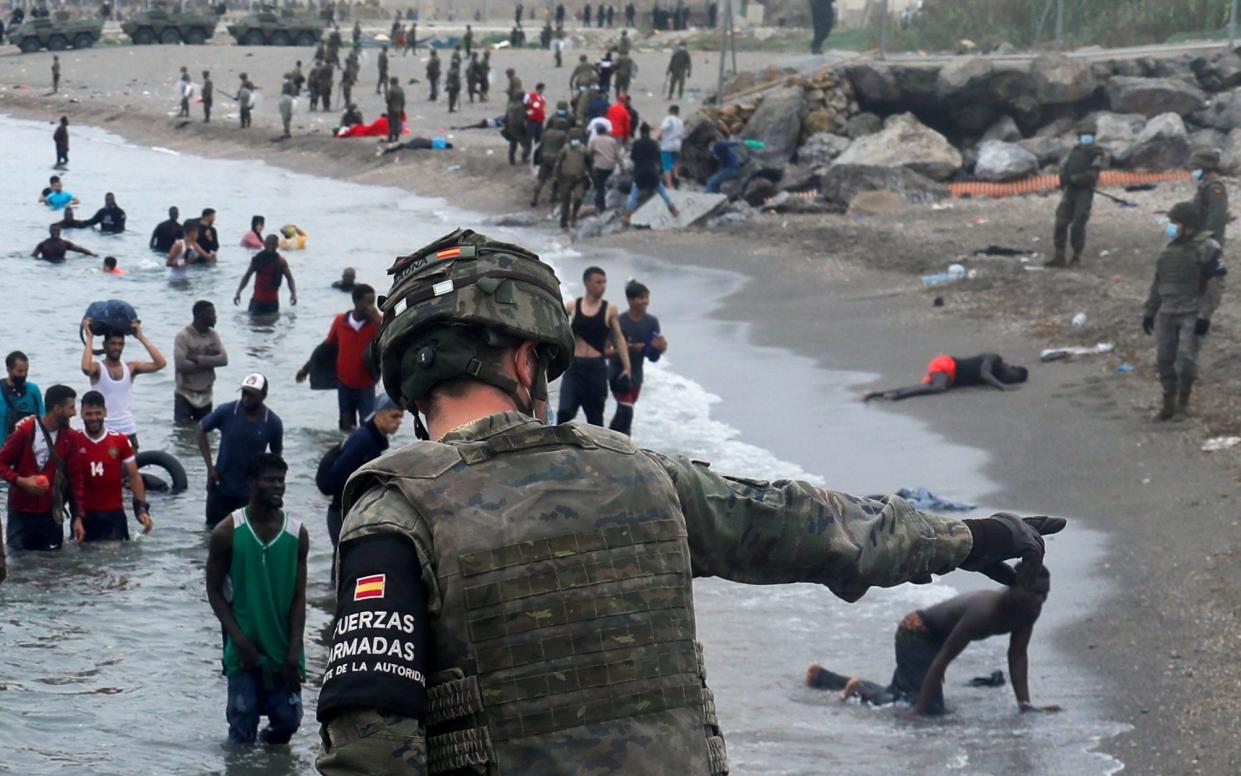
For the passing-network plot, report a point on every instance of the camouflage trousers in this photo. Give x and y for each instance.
(676, 84)
(572, 192)
(1071, 218)
(1176, 349)
(546, 171)
(365, 741)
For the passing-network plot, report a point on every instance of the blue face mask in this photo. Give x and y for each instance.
(1087, 139)
(1197, 175)
(1173, 231)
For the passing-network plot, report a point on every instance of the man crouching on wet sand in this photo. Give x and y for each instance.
(927, 641)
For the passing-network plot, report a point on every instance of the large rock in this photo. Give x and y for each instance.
(1005, 130)
(1232, 153)
(999, 161)
(693, 205)
(777, 123)
(1011, 87)
(1224, 112)
(1115, 132)
(821, 148)
(843, 182)
(1061, 80)
(906, 142)
(1047, 149)
(1163, 144)
(1208, 138)
(873, 83)
(1153, 96)
(1217, 72)
(863, 124)
(696, 160)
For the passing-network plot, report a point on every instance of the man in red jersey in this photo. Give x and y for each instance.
(107, 455)
(351, 334)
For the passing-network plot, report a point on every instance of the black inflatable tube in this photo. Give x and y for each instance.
(168, 463)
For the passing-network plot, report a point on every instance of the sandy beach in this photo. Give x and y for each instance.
(845, 291)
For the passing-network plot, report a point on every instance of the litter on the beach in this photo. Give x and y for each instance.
(1124, 368)
(1215, 444)
(1058, 354)
(923, 498)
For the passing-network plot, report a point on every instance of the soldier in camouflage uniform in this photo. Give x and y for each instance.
(626, 69)
(583, 75)
(572, 175)
(313, 79)
(433, 75)
(471, 76)
(1212, 197)
(350, 76)
(1188, 286)
(555, 135)
(680, 67)
(325, 85)
(452, 84)
(515, 130)
(1078, 176)
(516, 598)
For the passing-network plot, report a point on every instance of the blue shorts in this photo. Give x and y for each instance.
(668, 159)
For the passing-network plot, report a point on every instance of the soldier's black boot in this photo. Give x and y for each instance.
(1076, 260)
(1182, 400)
(1168, 408)
(1057, 260)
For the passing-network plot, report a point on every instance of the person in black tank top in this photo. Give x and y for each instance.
(585, 384)
(946, 372)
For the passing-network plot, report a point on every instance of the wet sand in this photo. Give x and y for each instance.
(1075, 439)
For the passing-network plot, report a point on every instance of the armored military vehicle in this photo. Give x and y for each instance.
(56, 33)
(158, 25)
(272, 28)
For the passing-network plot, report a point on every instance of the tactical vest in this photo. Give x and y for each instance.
(563, 630)
(1180, 271)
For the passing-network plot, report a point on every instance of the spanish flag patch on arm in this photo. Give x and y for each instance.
(369, 587)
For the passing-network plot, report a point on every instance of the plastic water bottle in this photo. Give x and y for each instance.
(1079, 320)
(939, 279)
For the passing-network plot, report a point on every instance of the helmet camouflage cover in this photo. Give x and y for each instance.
(454, 296)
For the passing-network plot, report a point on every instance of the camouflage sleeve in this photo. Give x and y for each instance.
(1153, 300)
(788, 531)
(1213, 274)
(1215, 212)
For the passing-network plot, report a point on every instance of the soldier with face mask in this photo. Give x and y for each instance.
(1079, 174)
(1188, 286)
(476, 632)
(1212, 196)
(555, 135)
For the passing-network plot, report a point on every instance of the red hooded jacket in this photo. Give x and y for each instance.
(17, 460)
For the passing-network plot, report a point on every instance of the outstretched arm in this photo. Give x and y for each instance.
(939, 383)
(988, 376)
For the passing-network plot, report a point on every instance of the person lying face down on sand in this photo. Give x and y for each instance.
(928, 640)
(946, 372)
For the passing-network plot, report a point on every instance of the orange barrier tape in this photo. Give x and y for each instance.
(1051, 182)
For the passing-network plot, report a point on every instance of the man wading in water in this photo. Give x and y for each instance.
(268, 267)
(261, 551)
(585, 384)
(114, 378)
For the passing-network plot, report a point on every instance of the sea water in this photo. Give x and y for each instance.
(109, 656)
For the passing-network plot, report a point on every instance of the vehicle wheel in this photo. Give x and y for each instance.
(170, 37)
(83, 41)
(165, 461)
(306, 39)
(144, 37)
(280, 38)
(57, 43)
(30, 45)
(252, 38)
(196, 37)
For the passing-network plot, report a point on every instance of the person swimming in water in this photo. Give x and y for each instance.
(253, 239)
(928, 640)
(55, 247)
(945, 372)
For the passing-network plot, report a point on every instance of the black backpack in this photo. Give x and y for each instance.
(325, 468)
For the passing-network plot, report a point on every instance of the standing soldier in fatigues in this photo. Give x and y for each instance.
(623, 46)
(515, 130)
(333, 47)
(208, 96)
(1212, 197)
(396, 108)
(626, 69)
(1188, 285)
(55, 73)
(471, 76)
(1079, 174)
(555, 135)
(515, 644)
(468, 40)
(680, 67)
(287, 94)
(515, 90)
(349, 77)
(383, 71)
(312, 82)
(558, 46)
(433, 75)
(453, 84)
(245, 100)
(572, 175)
(325, 85)
(484, 76)
(186, 89)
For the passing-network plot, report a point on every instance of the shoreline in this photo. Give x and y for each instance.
(878, 322)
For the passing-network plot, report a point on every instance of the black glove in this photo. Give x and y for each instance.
(1202, 327)
(1003, 537)
(1148, 325)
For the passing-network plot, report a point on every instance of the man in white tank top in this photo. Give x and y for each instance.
(114, 378)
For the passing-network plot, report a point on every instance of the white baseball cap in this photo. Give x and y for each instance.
(255, 382)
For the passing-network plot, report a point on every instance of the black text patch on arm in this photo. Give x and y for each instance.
(377, 658)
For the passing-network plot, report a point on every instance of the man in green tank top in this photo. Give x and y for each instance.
(261, 551)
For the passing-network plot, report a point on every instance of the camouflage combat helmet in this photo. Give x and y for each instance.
(457, 299)
(1087, 126)
(1205, 159)
(1187, 215)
